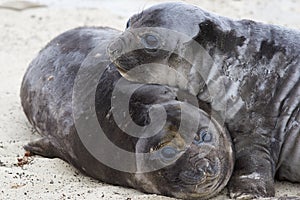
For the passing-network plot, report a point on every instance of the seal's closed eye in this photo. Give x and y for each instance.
(168, 153)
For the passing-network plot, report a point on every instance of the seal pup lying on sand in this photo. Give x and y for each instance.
(248, 72)
(70, 95)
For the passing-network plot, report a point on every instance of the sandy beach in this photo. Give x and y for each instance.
(24, 33)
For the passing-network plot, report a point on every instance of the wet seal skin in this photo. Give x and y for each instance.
(256, 64)
(180, 160)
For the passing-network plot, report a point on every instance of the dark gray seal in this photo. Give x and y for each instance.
(247, 71)
(193, 164)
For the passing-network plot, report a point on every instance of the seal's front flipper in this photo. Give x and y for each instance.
(253, 175)
(251, 186)
(43, 147)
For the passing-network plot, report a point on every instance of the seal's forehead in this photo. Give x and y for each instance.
(173, 16)
(149, 18)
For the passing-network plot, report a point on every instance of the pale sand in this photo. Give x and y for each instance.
(23, 34)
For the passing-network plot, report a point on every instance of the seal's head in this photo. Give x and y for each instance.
(158, 47)
(184, 160)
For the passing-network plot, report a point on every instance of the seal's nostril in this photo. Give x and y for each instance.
(210, 170)
(115, 48)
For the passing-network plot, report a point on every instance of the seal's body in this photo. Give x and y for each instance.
(70, 95)
(246, 71)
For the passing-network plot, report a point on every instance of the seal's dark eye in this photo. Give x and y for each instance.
(168, 153)
(150, 41)
(203, 136)
(128, 24)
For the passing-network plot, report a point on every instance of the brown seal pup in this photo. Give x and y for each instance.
(248, 72)
(69, 95)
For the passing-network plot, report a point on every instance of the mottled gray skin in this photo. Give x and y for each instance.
(204, 166)
(260, 68)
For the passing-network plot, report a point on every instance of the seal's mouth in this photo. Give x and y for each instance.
(121, 70)
(205, 170)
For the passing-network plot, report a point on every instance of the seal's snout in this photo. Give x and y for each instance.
(115, 49)
(204, 170)
(208, 168)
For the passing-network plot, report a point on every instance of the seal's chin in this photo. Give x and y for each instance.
(124, 73)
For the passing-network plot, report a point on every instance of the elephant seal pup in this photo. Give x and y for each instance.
(70, 90)
(248, 72)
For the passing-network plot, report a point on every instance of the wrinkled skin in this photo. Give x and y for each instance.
(258, 67)
(193, 162)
